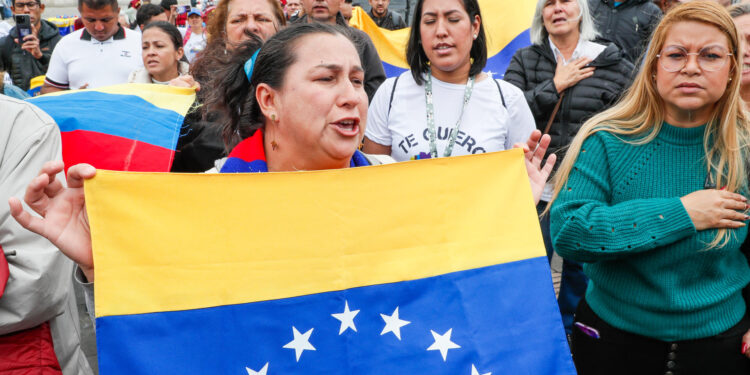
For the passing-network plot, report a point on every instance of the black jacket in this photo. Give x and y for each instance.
(629, 25)
(368, 55)
(21, 65)
(532, 69)
(391, 21)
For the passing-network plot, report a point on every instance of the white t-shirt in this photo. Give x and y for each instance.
(79, 59)
(486, 126)
(195, 44)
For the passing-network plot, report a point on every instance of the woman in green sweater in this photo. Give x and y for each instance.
(651, 197)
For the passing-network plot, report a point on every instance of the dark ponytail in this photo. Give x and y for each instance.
(232, 97)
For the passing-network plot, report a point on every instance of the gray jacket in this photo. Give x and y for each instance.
(628, 25)
(40, 286)
(21, 65)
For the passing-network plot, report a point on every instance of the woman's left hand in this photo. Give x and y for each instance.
(534, 150)
(746, 344)
(185, 81)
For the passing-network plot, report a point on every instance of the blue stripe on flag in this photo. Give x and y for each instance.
(475, 309)
(126, 116)
(498, 63)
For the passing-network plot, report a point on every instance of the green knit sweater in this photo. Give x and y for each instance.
(650, 272)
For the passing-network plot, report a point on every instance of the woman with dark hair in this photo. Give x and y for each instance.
(445, 105)
(304, 108)
(231, 23)
(162, 55)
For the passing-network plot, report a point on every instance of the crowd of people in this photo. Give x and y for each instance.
(643, 103)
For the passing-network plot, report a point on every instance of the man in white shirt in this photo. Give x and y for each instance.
(101, 54)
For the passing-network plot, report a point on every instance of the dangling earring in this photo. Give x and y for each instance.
(471, 61)
(475, 36)
(274, 145)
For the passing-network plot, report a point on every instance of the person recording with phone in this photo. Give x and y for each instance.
(25, 52)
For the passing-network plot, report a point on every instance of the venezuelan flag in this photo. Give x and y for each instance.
(130, 127)
(35, 86)
(506, 23)
(429, 267)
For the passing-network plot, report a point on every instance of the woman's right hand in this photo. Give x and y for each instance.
(568, 75)
(713, 209)
(63, 212)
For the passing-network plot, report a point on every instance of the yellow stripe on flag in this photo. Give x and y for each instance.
(177, 99)
(167, 242)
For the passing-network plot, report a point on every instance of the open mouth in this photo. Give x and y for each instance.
(347, 127)
(559, 20)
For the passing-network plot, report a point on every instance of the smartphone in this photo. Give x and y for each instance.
(23, 26)
(181, 9)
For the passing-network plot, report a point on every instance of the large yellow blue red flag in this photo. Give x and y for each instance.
(128, 127)
(506, 24)
(426, 267)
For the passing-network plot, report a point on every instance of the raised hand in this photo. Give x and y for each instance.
(63, 212)
(568, 75)
(534, 150)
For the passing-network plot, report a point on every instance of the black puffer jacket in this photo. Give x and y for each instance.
(21, 65)
(629, 25)
(532, 69)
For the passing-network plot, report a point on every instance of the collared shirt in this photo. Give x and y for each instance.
(80, 59)
(584, 48)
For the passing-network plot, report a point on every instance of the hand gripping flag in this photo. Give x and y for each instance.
(506, 24)
(129, 127)
(428, 267)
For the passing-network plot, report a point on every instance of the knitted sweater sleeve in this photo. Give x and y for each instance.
(586, 227)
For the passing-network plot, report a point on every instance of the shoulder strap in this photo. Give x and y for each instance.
(502, 97)
(187, 36)
(393, 90)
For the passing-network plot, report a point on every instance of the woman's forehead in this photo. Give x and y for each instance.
(695, 34)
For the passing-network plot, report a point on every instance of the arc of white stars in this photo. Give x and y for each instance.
(393, 324)
(346, 318)
(300, 343)
(262, 371)
(443, 343)
(475, 372)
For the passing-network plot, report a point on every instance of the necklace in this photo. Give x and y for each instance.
(431, 116)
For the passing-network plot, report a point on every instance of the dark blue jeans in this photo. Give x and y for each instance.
(573, 281)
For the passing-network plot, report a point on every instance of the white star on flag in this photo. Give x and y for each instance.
(300, 343)
(261, 372)
(346, 318)
(443, 343)
(393, 324)
(475, 372)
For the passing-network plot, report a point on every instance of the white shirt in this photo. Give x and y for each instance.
(584, 48)
(195, 44)
(486, 126)
(79, 59)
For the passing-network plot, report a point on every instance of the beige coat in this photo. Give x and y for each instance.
(40, 286)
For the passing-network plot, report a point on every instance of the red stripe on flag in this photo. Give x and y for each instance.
(114, 153)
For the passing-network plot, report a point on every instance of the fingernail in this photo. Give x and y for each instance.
(745, 346)
(725, 186)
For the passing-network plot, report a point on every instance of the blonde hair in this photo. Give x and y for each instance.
(640, 112)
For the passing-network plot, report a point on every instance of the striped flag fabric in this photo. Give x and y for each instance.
(128, 127)
(427, 267)
(506, 23)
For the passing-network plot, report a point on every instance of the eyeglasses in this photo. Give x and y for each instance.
(31, 6)
(711, 58)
